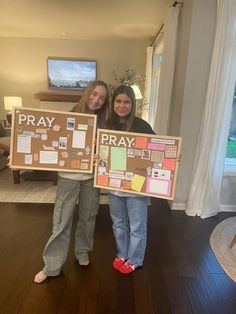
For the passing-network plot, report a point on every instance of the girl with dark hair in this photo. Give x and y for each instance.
(72, 187)
(128, 211)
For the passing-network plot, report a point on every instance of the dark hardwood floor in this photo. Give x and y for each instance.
(180, 274)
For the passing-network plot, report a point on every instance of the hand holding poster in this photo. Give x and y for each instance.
(52, 140)
(137, 163)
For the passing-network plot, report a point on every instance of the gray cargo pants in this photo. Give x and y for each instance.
(68, 192)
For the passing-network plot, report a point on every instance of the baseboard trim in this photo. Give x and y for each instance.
(183, 206)
(228, 208)
(177, 206)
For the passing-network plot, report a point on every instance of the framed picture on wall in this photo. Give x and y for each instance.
(70, 73)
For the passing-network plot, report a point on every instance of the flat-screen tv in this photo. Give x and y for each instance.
(70, 73)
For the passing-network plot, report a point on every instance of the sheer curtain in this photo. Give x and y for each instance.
(204, 196)
(167, 71)
(147, 92)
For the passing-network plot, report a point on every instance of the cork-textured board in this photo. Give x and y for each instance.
(137, 163)
(52, 140)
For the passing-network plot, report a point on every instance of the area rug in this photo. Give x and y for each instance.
(29, 191)
(223, 245)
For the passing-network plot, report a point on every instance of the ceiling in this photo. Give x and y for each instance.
(82, 19)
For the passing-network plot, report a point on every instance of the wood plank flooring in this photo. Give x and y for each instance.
(180, 274)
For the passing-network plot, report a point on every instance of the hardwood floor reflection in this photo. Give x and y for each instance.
(180, 274)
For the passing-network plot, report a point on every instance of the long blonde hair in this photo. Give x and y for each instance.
(82, 106)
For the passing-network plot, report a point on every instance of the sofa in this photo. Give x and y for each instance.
(4, 147)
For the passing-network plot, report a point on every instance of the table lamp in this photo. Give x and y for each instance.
(137, 92)
(9, 103)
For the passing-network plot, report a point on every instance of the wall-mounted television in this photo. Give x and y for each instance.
(70, 73)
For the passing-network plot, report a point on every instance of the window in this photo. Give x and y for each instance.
(230, 160)
(157, 61)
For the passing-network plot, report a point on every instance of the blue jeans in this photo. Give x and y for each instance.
(129, 217)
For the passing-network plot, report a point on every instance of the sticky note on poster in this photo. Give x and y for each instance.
(169, 163)
(103, 151)
(103, 180)
(75, 164)
(141, 142)
(78, 139)
(159, 187)
(157, 156)
(48, 157)
(137, 182)
(118, 158)
(23, 144)
(170, 151)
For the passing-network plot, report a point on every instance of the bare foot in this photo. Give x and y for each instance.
(40, 277)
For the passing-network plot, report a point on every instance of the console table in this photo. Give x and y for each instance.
(34, 175)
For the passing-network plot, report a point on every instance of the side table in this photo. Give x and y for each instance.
(7, 131)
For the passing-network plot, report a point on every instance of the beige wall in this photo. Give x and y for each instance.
(193, 64)
(23, 62)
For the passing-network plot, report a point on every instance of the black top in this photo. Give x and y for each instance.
(139, 126)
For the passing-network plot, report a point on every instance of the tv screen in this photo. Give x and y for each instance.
(67, 73)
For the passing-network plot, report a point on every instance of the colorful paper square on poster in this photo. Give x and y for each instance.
(137, 182)
(36, 157)
(79, 138)
(47, 157)
(127, 185)
(28, 159)
(157, 156)
(137, 152)
(115, 183)
(75, 164)
(83, 165)
(158, 187)
(103, 151)
(103, 180)
(161, 174)
(23, 144)
(116, 174)
(169, 164)
(146, 154)
(118, 158)
(170, 151)
(130, 152)
(140, 142)
(156, 146)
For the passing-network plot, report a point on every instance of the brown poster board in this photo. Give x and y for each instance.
(52, 140)
(137, 163)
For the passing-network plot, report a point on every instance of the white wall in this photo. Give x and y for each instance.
(24, 70)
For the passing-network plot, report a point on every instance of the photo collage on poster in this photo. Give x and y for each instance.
(52, 140)
(137, 163)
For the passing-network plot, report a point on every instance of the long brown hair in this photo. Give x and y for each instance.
(113, 121)
(82, 106)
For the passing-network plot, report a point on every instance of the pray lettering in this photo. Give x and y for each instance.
(113, 140)
(31, 120)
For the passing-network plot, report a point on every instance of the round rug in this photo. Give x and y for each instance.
(223, 244)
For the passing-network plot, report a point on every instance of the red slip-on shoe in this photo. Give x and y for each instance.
(118, 261)
(127, 268)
